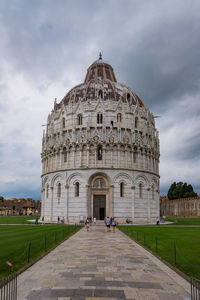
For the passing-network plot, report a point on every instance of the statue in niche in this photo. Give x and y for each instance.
(82, 139)
(67, 141)
(111, 139)
(126, 138)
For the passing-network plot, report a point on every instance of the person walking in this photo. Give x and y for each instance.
(113, 224)
(157, 221)
(108, 224)
(43, 220)
(94, 220)
(87, 224)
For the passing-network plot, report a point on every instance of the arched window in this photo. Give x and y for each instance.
(121, 189)
(136, 122)
(119, 118)
(99, 183)
(100, 94)
(59, 190)
(47, 191)
(63, 122)
(65, 156)
(99, 118)
(99, 153)
(77, 189)
(140, 190)
(152, 192)
(80, 119)
(128, 97)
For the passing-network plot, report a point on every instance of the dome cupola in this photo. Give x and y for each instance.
(100, 70)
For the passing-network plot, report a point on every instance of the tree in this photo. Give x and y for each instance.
(2, 198)
(180, 190)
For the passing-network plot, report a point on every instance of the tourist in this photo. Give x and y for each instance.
(87, 224)
(36, 220)
(108, 224)
(94, 220)
(58, 220)
(113, 223)
(43, 220)
(157, 221)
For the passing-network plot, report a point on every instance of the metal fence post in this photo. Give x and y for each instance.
(195, 289)
(174, 253)
(29, 251)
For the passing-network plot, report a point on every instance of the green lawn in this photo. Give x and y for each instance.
(14, 241)
(184, 221)
(16, 219)
(187, 241)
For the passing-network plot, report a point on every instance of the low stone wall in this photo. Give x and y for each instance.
(185, 207)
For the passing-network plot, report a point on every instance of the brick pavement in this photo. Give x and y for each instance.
(98, 265)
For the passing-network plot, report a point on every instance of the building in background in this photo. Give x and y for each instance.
(19, 207)
(100, 153)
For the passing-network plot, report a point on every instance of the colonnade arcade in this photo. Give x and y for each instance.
(100, 194)
(116, 155)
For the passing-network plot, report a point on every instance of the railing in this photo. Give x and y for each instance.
(8, 288)
(195, 289)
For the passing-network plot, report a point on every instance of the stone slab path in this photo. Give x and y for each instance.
(102, 265)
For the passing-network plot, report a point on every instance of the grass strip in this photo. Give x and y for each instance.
(16, 219)
(14, 243)
(186, 240)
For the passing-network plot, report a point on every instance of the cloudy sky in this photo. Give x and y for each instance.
(45, 49)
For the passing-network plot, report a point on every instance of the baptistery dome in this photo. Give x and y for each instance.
(100, 153)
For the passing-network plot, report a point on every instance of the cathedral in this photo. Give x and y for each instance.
(100, 153)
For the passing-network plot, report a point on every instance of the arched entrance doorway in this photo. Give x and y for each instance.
(100, 198)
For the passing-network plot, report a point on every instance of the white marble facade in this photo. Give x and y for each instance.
(100, 153)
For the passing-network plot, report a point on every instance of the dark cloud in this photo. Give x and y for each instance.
(46, 48)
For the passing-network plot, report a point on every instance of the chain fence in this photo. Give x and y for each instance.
(171, 254)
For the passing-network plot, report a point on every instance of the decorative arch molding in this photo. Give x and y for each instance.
(154, 182)
(141, 178)
(122, 181)
(99, 174)
(76, 181)
(122, 175)
(58, 182)
(57, 176)
(70, 178)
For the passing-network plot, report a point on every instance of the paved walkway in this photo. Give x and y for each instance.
(100, 265)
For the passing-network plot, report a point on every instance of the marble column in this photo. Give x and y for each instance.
(67, 203)
(51, 218)
(133, 202)
(149, 203)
